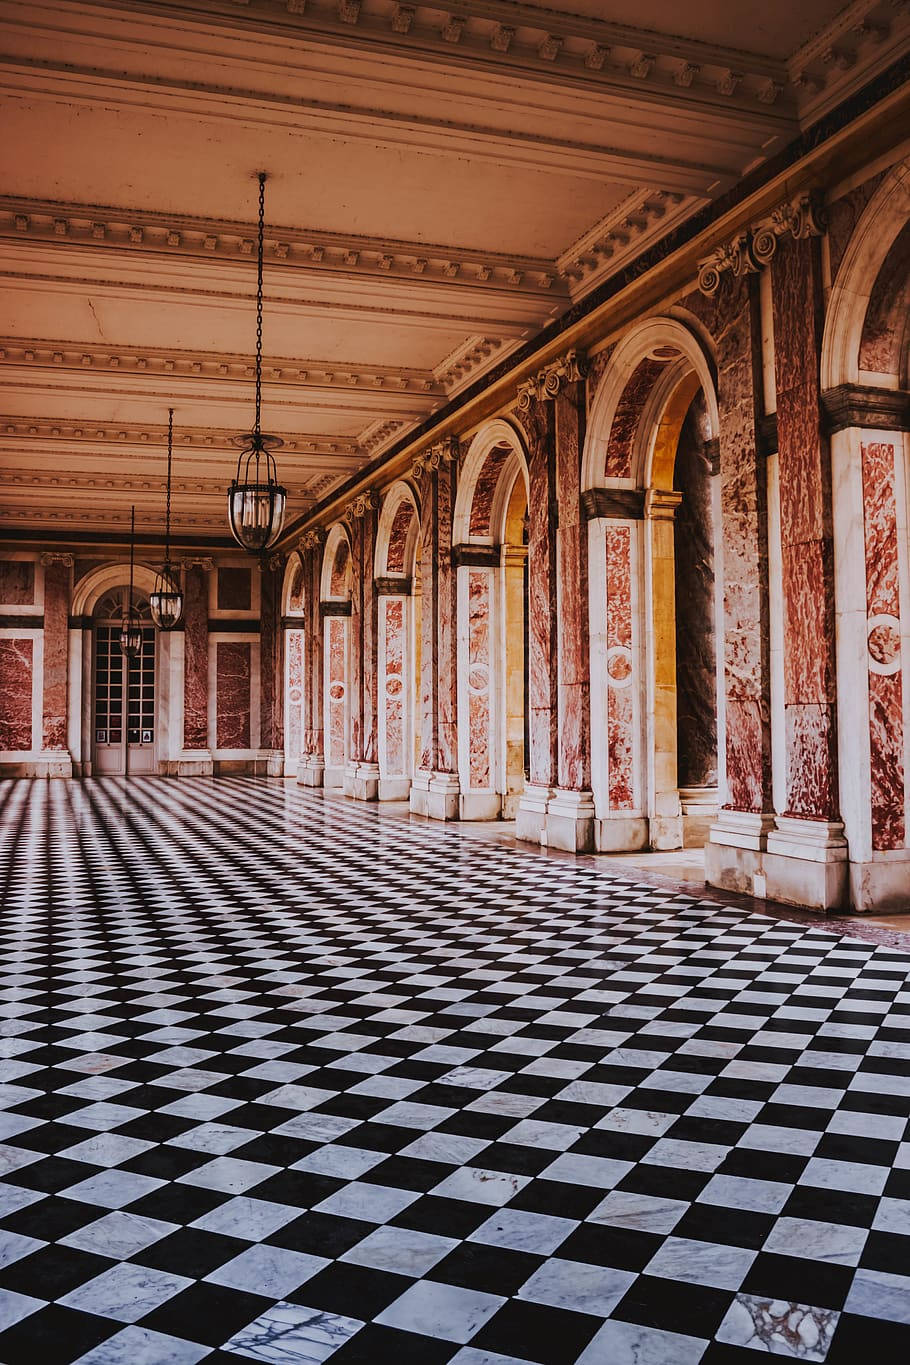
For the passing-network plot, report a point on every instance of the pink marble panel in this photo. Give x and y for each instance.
(811, 736)
(398, 537)
(56, 649)
(356, 672)
(232, 693)
(294, 642)
(429, 588)
(885, 326)
(478, 679)
(731, 316)
(574, 760)
(297, 593)
(627, 417)
(271, 706)
(620, 679)
(542, 634)
(369, 647)
(807, 574)
(446, 621)
(17, 582)
(196, 659)
(338, 585)
(335, 702)
(16, 693)
(843, 216)
(393, 684)
(886, 710)
(485, 490)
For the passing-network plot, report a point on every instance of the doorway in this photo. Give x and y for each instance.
(123, 689)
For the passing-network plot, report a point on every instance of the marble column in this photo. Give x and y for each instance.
(570, 814)
(57, 569)
(543, 734)
(425, 711)
(806, 857)
(665, 810)
(271, 666)
(735, 851)
(361, 777)
(196, 758)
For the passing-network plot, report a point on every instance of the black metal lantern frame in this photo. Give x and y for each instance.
(166, 599)
(256, 500)
(130, 629)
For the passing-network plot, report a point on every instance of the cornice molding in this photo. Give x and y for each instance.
(475, 556)
(751, 249)
(846, 53)
(213, 365)
(101, 482)
(862, 405)
(104, 227)
(330, 608)
(548, 382)
(200, 439)
(625, 231)
(393, 587)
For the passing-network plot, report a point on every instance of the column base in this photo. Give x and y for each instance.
(310, 769)
(269, 763)
(394, 788)
(735, 851)
(570, 821)
(419, 795)
(190, 763)
(47, 763)
(806, 863)
(333, 777)
(699, 811)
(442, 796)
(883, 884)
(621, 834)
(361, 780)
(531, 816)
(479, 806)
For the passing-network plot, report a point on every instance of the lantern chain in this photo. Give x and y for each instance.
(167, 512)
(259, 300)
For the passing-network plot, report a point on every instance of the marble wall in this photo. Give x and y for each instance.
(16, 672)
(336, 698)
(542, 570)
(621, 678)
(479, 662)
(271, 661)
(17, 582)
(574, 671)
(393, 682)
(696, 663)
(233, 677)
(196, 658)
(56, 650)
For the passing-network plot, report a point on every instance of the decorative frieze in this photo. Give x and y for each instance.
(751, 249)
(547, 383)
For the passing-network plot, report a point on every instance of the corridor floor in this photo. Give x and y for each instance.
(283, 1081)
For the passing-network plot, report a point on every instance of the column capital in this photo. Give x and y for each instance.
(440, 453)
(54, 557)
(359, 506)
(548, 382)
(313, 539)
(753, 247)
(205, 562)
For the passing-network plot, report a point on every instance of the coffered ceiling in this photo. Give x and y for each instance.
(442, 184)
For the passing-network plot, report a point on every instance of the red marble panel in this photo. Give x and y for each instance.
(393, 683)
(17, 582)
(271, 673)
(56, 650)
(542, 644)
(15, 693)
(744, 533)
(196, 660)
(398, 538)
(620, 680)
(811, 735)
(355, 644)
(294, 644)
(485, 491)
(886, 322)
(297, 594)
(429, 587)
(335, 702)
(478, 679)
(627, 417)
(235, 589)
(232, 694)
(574, 769)
(886, 713)
(807, 573)
(369, 648)
(339, 581)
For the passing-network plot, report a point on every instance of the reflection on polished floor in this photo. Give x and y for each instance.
(283, 1080)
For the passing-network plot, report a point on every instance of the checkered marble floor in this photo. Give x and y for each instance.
(284, 1081)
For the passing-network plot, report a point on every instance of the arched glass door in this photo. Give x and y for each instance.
(123, 690)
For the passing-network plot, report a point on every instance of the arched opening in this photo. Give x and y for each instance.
(123, 694)
(395, 565)
(335, 606)
(294, 622)
(865, 379)
(491, 553)
(656, 696)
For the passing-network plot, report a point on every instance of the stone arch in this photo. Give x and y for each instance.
(397, 532)
(865, 344)
(491, 544)
(656, 396)
(293, 587)
(92, 587)
(879, 229)
(336, 582)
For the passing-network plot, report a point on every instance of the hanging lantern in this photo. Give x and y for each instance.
(130, 629)
(166, 599)
(256, 500)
